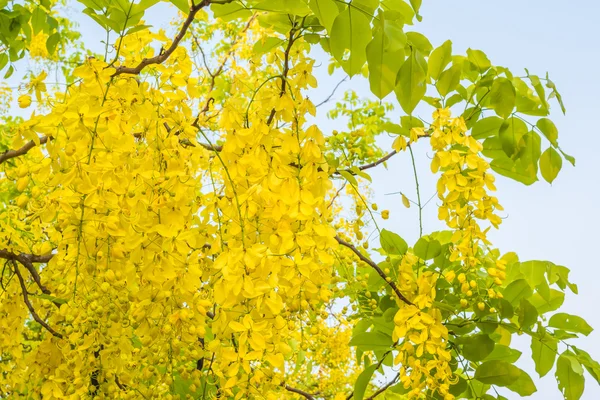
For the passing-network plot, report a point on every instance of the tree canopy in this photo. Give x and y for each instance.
(175, 222)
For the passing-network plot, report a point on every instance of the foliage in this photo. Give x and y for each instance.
(174, 224)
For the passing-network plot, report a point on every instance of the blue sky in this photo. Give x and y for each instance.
(557, 223)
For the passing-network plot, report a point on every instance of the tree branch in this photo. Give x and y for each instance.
(286, 69)
(27, 260)
(7, 155)
(376, 163)
(32, 311)
(300, 392)
(374, 265)
(384, 388)
(159, 59)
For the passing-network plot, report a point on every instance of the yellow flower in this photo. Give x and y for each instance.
(385, 214)
(24, 101)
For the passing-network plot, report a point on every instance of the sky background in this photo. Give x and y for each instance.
(557, 222)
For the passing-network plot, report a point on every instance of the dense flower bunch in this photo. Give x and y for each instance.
(176, 223)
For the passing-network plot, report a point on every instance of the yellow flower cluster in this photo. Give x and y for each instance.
(422, 343)
(463, 186)
(154, 279)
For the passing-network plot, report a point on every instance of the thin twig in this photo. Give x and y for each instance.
(374, 265)
(412, 157)
(332, 92)
(384, 388)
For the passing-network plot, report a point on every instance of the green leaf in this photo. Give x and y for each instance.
(479, 59)
(427, 248)
(567, 157)
(534, 272)
(349, 36)
(372, 341)
(569, 376)
(439, 59)
(517, 290)
(487, 127)
(507, 167)
(570, 323)
(326, 11)
(511, 132)
(547, 127)
(362, 382)
(56, 300)
(592, 366)
(552, 302)
(266, 45)
(524, 385)
(392, 243)
(137, 28)
(504, 353)
(38, 19)
(410, 83)
(478, 347)
(528, 314)
(503, 97)
(284, 6)
(543, 353)
(449, 80)
(497, 372)
(420, 42)
(183, 5)
(550, 164)
(51, 43)
(229, 11)
(349, 177)
(383, 64)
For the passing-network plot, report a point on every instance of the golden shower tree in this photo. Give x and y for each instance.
(175, 224)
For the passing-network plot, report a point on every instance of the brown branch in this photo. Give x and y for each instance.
(384, 388)
(374, 265)
(300, 392)
(159, 59)
(286, 69)
(7, 155)
(27, 260)
(376, 163)
(371, 165)
(32, 311)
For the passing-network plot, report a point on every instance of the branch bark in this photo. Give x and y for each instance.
(159, 59)
(27, 260)
(374, 265)
(7, 155)
(32, 311)
(300, 392)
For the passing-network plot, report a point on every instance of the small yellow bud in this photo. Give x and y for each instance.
(22, 200)
(24, 101)
(22, 183)
(464, 303)
(450, 276)
(481, 306)
(374, 206)
(473, 284)
(70, 149)
(469, 293)
(492, 310)
(462, 278)
(385, 214)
